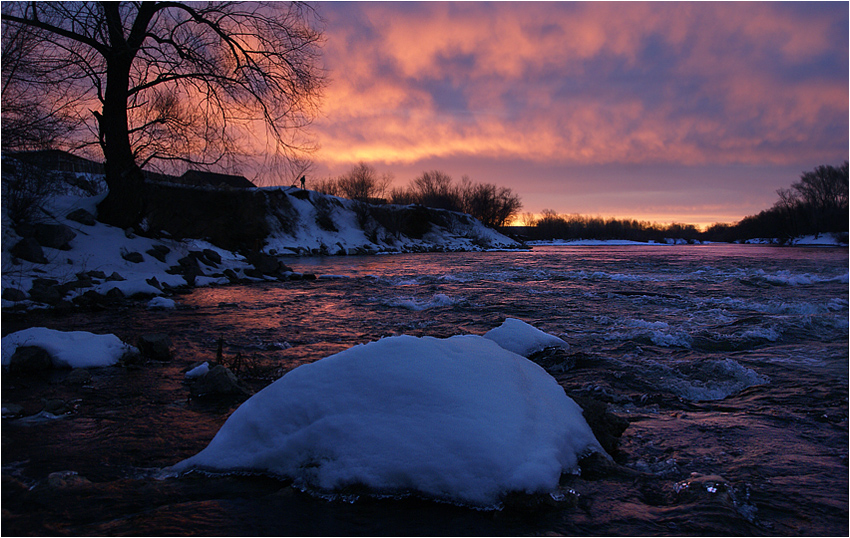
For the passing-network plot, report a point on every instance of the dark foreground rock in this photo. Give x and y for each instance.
(155, 346)
(219, 381)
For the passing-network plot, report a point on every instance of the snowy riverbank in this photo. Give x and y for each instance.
(65, 255)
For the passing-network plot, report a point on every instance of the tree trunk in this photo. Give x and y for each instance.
(124, 205)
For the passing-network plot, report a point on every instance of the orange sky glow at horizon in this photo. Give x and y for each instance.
(665, 112)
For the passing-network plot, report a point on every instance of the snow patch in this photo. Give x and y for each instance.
(75, 349)
(521, 338)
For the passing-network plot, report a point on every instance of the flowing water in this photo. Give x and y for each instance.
(730, 363)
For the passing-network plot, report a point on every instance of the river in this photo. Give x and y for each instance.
(730, 363)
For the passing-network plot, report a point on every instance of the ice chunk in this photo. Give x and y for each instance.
(76, 349)
(523, 339)
(457, 419)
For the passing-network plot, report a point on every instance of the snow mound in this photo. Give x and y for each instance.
(523, 339)
(458, 419)
(74, 349)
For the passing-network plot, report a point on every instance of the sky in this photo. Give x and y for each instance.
(667, 112)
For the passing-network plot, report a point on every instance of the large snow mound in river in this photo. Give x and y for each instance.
(458, 419)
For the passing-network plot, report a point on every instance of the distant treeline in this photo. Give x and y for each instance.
(814, 205)
(492, 205)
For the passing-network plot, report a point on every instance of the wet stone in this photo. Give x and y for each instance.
(155, 346)
(30, 359)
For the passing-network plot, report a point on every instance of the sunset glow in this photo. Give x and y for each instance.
(693, 112)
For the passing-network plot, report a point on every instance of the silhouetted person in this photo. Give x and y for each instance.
(303, 180)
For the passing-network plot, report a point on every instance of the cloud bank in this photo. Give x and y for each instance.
(586, 85)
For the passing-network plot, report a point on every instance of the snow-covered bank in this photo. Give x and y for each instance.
(458, 419)
(65, 254)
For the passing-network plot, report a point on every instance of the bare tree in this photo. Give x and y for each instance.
(32, 118)
(363, 183)
(175, 81)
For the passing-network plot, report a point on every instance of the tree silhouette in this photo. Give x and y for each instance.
(178, 81)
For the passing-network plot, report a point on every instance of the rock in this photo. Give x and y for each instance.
(133, 257)
(231, 275)
(156, 253)
(212, 255)
(54, 406)
(30, 359)
(82, 216)
(66, 479)
(155, 346)
(268, 265)
(308, 276)
(14, 294)
(45, 291)
(30, 250)
(54, 235)
(606, 426)
(12, 411)
(115, 293)
(115, 277)
(78, 376)
(219, 381)
(154, 282)
(100, 275)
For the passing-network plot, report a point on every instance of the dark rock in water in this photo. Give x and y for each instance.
(54, 235)
(606, 426)
(55, 406)
(13, 294)
(155, 346)
(11, 411)
(212, 255)
(133, 257)
(554, 360)
(308, 276)
(30, 359)
(268, 265)
(78, 376)
(66, 479)
(82, 216)
(30, 250)
(219, 381)
(253, 273)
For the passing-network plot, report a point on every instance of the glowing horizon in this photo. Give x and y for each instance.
(665, 112)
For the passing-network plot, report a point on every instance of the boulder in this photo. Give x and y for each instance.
(46, 291)
(115, 277)
(155, 346)
(14, 294)
(54, 235)
(30, 250)
(82, 216)
(268, 265)
(30, 359)
(78, 376)
(133, 257)
(219, 381)
(212, 255)
(231, 275)
(156, 253)
(114, 293)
